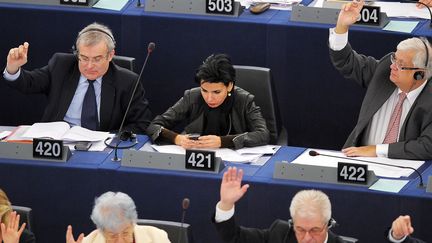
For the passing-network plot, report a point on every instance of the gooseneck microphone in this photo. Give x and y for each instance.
(185, 206)
(315, 153)
(428, 8)
(126, 135)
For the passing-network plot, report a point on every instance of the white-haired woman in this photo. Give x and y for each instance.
(115, 217)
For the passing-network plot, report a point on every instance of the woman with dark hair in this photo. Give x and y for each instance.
(10, 232)
(217, 113)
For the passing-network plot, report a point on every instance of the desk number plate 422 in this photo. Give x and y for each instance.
(352, 173)
(47, 148)
(220, 7)
(200, 160)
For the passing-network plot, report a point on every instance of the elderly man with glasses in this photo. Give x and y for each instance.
(84, 89)
(310, 212)
(395, 119)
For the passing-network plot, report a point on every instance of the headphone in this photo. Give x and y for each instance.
(74, 50)
(331, 223)
(419, 75)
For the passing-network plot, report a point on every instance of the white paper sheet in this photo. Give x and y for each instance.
(380, 170)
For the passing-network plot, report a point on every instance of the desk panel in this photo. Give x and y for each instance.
(62, 194)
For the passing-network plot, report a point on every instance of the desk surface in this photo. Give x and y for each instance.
(63, 193)
(310, 92)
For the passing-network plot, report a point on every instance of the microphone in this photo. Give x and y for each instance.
(125, 135)
(185, 206)
(315, 153)
(139, 3)
(418, 2)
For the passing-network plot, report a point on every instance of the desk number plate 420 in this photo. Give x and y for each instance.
(47, 148)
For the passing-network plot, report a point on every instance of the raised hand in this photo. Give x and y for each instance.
(11, 233)
(231, 189)
(402, 227)
(348, 15)
(16, 58)
(70, 238)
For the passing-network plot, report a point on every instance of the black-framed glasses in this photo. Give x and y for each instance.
(399, 66)
(315, 231)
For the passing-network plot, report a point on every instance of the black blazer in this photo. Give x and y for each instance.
(415, 139)
(59, 80)
(279, 232)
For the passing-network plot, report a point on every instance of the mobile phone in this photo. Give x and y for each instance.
(83, 146)
(193, 136)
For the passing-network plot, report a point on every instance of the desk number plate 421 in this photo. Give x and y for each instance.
(200, 160)
(47, 148)
(352, 173)
(220, 7)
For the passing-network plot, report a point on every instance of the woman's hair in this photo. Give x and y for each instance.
(112, 210)
(5, 207)
(215, 69)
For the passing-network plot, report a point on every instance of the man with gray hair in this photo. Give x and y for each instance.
(84, 88)
(115, 217)
(395, 119)
(310, 212)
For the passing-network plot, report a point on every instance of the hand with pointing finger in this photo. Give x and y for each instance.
(16, 58)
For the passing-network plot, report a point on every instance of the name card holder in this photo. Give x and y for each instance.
(312, 173)
(163, 161)
(24, 151)
(197, 7)
(327, 16)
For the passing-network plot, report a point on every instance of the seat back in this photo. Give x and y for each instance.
(125, 62)
(26, 216)
(349, 239)
(175, 230)
(258, 81)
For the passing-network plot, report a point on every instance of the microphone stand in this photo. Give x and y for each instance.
(139, 4)
(418, 2)
(128, 135)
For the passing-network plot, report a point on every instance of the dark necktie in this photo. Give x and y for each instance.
(89, 115)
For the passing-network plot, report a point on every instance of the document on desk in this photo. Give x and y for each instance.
(62, 131)
(245, 156)
(402, 10)
(380, 170)
(275, 4)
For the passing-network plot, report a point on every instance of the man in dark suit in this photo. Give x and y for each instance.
(86, 88)
(401, 230)
(310, 211)
(395, 119)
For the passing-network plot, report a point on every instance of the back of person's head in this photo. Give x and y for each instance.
(95, 33)
(5, 207)
(417, 45)
(113, 210)
(215, 69)
(311, 204)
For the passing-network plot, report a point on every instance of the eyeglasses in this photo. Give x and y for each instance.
(315, 231)
(398, 65)
(95, 60)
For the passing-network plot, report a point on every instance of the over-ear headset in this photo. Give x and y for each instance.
(331, 223)
(74, 50)
(419, 75)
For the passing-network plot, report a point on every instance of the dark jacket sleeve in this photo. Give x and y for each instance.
(352, 65)
(256, 132)
(170, 118)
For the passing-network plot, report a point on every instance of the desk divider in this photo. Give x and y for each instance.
(163, 161)
(313, 173)
(24, 151)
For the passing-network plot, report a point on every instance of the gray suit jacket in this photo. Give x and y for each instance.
(415, 139)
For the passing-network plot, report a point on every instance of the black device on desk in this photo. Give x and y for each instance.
(83, 146)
